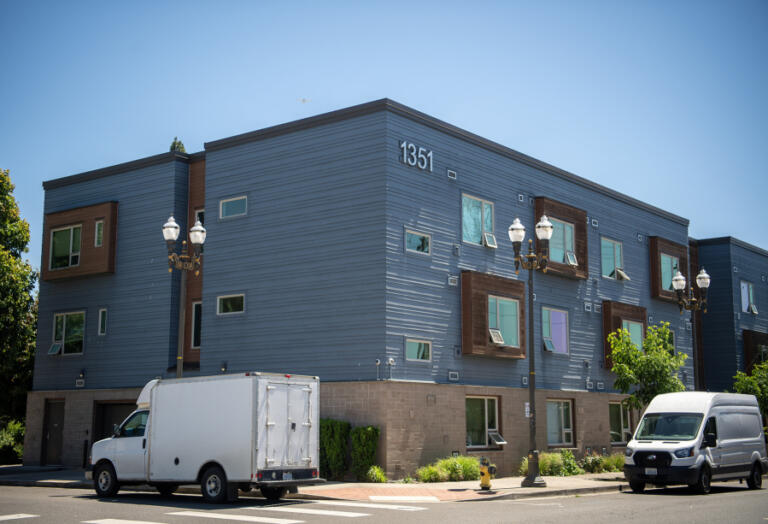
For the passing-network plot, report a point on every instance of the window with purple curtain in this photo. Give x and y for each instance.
(554, 327)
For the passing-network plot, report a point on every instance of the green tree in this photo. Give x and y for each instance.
(177, 145)
(647, 371)
(18, 307)
(754, 384)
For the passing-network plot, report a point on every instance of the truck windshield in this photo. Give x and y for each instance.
(669, 426)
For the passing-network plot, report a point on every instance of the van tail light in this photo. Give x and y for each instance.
(314, 473)
(259, 475)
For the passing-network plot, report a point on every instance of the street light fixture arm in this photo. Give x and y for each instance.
(690, 302)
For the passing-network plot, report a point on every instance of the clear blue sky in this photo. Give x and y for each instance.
(664, 101)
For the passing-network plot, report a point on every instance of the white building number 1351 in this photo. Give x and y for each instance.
(416, 156)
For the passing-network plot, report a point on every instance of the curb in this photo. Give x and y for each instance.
(550, 493)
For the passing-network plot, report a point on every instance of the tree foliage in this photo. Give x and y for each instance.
(177, 145)
(647, 371)
(18, 307)
(754, 384)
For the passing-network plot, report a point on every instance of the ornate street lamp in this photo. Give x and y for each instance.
(184, 262)
(531, 261)
(690, 302)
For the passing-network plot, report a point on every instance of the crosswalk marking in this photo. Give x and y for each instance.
(397, 498)
(367, 505)
(309, 511)
(230, 516)
(119, 521)
(17, 516)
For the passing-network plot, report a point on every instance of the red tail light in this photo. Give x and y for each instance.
(314, 473)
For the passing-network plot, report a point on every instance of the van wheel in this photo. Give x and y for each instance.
(166, 490)
(213, 485)
(273, 493)
(755, 478)
(705, 478)
(105, 480)
(638, 486)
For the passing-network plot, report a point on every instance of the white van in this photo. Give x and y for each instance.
(225, 432)
(693, 438)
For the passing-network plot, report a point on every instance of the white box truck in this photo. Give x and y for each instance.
(695, 437)
(226, 432)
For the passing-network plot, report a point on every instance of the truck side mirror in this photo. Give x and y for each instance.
(115, 430)
(710, 440)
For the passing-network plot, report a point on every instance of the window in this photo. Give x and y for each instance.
(103, 321)
(65, 247)
(748, 298)
(755, 349)
(417, 242)
(98, 236)
(669, 267)
(562, 242)
(233, 207)
(418, 350)
(197, 312)
(68, 329)
(635, 329)
(230, 304)
(559, 423)
(482, 427)
(503, 321)
(477, 221)
(200, 216)
(611, 256)
(620, 426)
(135, 426)
(554, 330)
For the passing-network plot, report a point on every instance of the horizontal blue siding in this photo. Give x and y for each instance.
(140, 296)
(421, 304)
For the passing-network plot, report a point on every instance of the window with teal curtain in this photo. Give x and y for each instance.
(503, 315)
(669, 267)
(561, 242)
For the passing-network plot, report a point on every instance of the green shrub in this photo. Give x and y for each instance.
(376, 474)
(431, 473)
(451, 467)
(365, 440)
(12, 442)
(334, 436)
(554, 464)
(470, 467)
(407, 480)
(593, 463)
(614, 462)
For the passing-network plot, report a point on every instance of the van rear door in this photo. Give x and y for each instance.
(288, 424)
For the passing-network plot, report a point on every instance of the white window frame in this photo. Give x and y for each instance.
(488, 430)
(64, 332)
(192, 327)
(106, 319)
(618, 270)
(567, 255)
(225, 200)
(567, 329)
(418, 341)
(96, 241)
(626, 425)
(751, 307)
(484, 241)
(218, 304)
(420, 234)
(498, 322)
(642, 329)
(562, 442)
(202, 210)
(71, 253)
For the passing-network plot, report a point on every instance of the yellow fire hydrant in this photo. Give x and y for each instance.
(486, 472)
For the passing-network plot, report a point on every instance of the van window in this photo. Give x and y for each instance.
(669, 426)
(711, 427)
(134, 426)
(739, 425)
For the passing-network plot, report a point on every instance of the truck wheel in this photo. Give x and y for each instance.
(273, 493)
(705, 478)
(755, 478)
(213, 484)
(166, 489)
(638, 486)
(105, 480)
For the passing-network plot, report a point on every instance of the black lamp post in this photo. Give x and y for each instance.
(184, 262)
(531, 261)
(690, 302)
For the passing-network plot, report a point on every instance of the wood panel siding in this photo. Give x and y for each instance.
(475, 288)
(94, 260)
(575, 216)
(195, 202)
(613, 315)
(658, 246)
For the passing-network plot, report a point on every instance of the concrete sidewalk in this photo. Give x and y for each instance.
(502, 488)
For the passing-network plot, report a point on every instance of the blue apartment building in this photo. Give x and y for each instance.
(367, 246)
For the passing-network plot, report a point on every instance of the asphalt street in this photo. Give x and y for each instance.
(731, 503)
